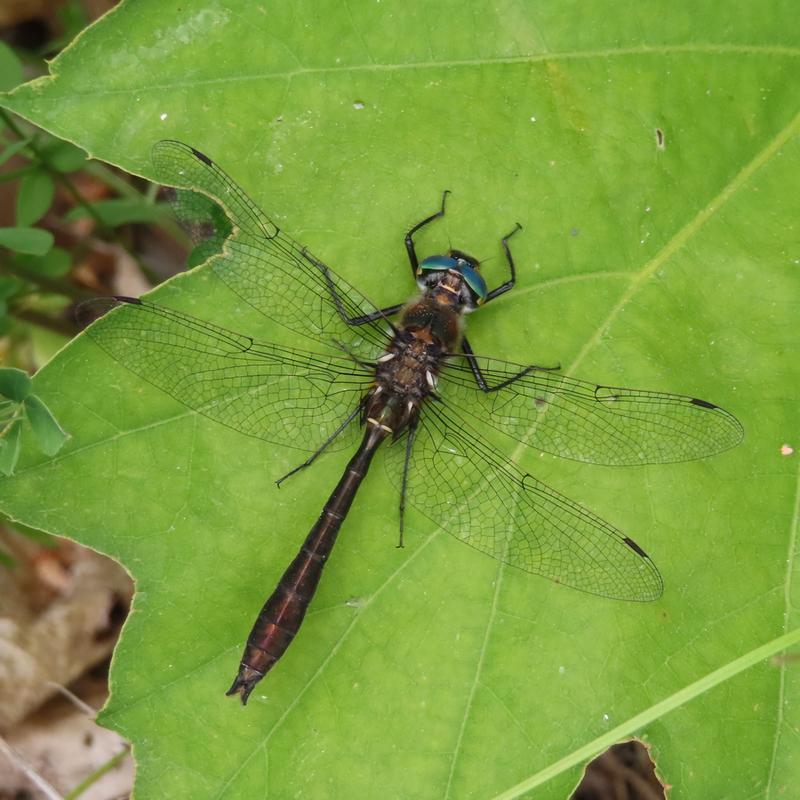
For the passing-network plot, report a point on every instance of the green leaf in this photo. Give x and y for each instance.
(9, 448)
(14, 384)
(36, 190)
(10, 68)
(64, 156)
(55, 263)
(119, 212)
(665, 262)
(196, 210)
(50, 435)
(33, 241)
(9, 286)
(12, 149)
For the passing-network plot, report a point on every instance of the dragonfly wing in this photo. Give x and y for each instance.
(462, 483)
(280, 394)
(263, 265)
(589, 422)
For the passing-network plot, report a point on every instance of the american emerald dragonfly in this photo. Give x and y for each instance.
(405, 376)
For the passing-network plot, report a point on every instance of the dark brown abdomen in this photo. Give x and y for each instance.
(283, 613)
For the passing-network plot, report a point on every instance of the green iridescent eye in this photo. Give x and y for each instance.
(471, 276)
(475, 282)
(436, 263)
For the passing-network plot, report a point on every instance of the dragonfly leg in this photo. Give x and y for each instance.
(364, 318)
(324, 446)
(481, 380)
(509, 284)
(412, 253)
(502, 289)
(337, 298)
(412, 432)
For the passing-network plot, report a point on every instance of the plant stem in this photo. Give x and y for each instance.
(51, 285)
(166, 222)
(72, 189)
(97, 774)
(9, 421)
(61, 326)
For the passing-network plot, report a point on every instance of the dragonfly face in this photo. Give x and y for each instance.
(469, 283)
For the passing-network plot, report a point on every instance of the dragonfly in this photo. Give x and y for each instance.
(402, 381)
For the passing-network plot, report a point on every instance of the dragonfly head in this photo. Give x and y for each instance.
(458, 273)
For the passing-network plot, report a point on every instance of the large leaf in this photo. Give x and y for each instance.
(650, 151)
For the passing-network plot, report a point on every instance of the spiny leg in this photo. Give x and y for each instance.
(337, 298)
(363, 319)
(320, 450)
(409, 240)
(509, 284)
(502, 289)
(481, 380)
(478, 375)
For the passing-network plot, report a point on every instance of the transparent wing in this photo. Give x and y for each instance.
(265, 267)
(588, 422)
(463, 484)
(280, 394)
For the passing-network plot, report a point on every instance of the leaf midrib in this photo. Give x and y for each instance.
(568, 55)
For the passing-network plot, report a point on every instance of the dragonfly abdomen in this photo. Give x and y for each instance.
(283, 613)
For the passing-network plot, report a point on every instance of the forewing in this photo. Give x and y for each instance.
(589, 422)
(281, 394)
(265, 267)
(463, 484)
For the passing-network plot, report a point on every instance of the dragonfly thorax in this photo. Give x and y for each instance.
(405, 375)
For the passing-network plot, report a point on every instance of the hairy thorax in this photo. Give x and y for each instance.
(407, 373)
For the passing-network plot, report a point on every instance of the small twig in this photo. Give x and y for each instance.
(52, 285)
(55, 324)
(23, 766)
(73, 698)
